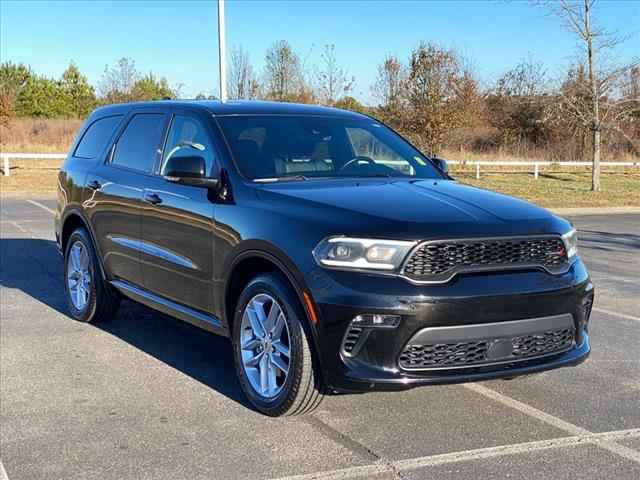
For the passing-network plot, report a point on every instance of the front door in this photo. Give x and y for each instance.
(178, 222)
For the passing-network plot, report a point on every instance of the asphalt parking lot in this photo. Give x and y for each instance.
(147, 397)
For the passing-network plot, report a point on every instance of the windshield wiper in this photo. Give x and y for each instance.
(287, 178)
(371, 175)
(280, 179)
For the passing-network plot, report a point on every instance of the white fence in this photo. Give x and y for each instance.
(535, 164)
(6, 169)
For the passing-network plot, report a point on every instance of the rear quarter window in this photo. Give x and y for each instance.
(95, 138)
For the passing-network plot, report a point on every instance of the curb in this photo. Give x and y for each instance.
(595, 210)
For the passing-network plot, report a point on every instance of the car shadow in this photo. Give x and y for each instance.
(34, 267)
(204, 356)
(609, 241)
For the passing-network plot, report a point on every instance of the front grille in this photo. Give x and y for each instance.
(441, 259)
(485, 351)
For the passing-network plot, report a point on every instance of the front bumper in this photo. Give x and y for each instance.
(474, 301)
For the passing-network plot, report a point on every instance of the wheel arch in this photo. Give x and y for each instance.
(71, 221)
(254, 261)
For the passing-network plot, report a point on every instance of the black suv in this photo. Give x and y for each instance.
(335, 255)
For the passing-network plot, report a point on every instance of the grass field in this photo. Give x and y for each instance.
(38, 135)
(555, 188)
(562, 189)
(30, 178)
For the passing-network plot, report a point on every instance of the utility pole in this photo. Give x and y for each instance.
(221, 53)
(595, 98)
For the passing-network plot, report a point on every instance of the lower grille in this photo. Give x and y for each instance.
(352, 340)
(543, 343)
(485, 351)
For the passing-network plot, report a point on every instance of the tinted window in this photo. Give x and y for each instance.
(188, 138)
(138, 145)
(278, 146)
(96, 137)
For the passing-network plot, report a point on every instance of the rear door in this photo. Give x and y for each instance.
(116, 192)
(178, 220)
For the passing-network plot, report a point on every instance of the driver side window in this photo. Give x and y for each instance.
(364, 144)
(187, 138)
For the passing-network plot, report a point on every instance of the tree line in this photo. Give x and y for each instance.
(24, 93)
(433, 95)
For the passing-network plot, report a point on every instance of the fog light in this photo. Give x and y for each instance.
(377, 320)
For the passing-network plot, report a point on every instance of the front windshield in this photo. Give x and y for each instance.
(270, 147)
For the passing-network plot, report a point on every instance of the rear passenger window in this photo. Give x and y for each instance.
(139, 144)
(96, 137)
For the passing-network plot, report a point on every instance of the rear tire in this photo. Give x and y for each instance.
(297, 391)
(90, 298)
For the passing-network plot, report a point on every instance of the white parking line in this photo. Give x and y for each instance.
(417, 463)
(22, 220)
(19, 227)
(527, 409)
(3, 472)
(616, 314)
(491, 452)
(31, 233)
(620, 450)
(365, 471)
(44, 207)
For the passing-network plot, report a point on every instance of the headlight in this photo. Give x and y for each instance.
(570, 240)
(362, 253)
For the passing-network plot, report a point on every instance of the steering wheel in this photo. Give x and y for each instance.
(185, 144)
(358, 159)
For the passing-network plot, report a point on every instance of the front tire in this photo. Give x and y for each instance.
(89, 296)
(271, 351)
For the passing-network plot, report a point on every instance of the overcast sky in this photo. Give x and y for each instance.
(178, 40)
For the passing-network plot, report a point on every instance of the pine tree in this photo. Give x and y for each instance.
(78, 95)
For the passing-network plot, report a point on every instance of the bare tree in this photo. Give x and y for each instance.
(437, 90)
(517, 104)
(117, 82)
(527, 79)
(630, 88)
(283, 76)
(605, 106)
(389, 82)
(242, 82)
(332, 80)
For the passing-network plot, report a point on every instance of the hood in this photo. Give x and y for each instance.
(413, 208)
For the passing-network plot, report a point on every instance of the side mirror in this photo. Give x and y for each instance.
(441, 164)
(188, 171)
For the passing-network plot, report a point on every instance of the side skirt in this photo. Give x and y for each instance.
(194, 317)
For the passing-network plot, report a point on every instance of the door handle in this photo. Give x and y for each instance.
(152, 198)
(94, 185)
